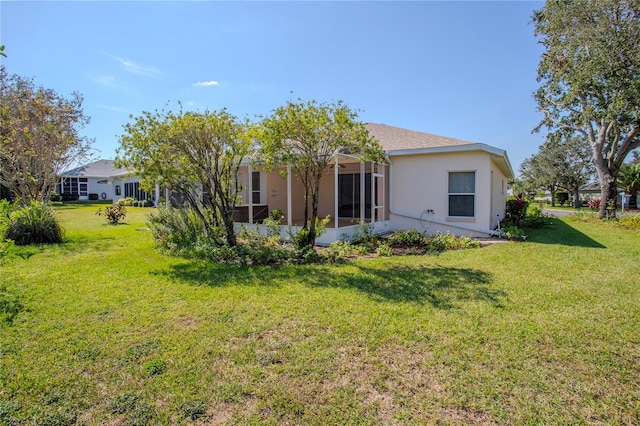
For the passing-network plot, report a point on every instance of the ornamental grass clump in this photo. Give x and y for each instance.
(34, 223)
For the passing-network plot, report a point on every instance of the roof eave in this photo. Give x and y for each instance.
(499, 156)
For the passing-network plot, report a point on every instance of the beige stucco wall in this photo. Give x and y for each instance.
(419, 183)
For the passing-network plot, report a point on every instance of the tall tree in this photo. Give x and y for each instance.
(39, 136)
(307, 136)
(575, 166)
(540, 171)
(188, 151)
(590, 78)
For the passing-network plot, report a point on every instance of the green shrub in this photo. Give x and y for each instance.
(411, 237)
(384, 250)
(148, 203)
(561, 197)
(339, 251)
(439, 242)
(514, 233)
(113, 213)
(630, 222)
(35, 223)
(180, 230)
(261, 249)
(534, 217)
(365, 236)
(55, 197)
(276, 215)
(128, 201)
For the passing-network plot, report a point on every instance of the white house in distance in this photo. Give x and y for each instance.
(428, 182)
(99, 180)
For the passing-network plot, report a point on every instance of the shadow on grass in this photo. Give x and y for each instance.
(562, 233)
(437, 286)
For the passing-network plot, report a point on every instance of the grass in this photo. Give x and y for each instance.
(111, 331)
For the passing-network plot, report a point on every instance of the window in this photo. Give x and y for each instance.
(118, 190)
(349, 195)
(103, 182)
(75, 186)
(255, 187)
(132, 189)
(462, 194)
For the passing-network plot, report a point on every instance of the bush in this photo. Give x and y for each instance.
(411, 237)
(534, 218)
(514, 233)
(69, 197)
(594, 203)
(94, 197)
(276, 215)
(338, 251)
(128, 201)
(148, 203)
(365, 237)
(113, 213)
(630, 222)
(179, 231)
(516, 210)
(562, 197)
(35, 223)
(55, 197)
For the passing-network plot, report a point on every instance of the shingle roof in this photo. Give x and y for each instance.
(99, 169)
(396, 139)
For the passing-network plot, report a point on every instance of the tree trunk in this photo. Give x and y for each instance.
(576, 197)
(607, 194)
(553, 197)
(314, 213)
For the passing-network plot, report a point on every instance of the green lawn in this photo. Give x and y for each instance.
(113, 332)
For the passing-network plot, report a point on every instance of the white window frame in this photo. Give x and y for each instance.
(450, 194)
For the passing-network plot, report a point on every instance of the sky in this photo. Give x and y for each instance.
(460, 69)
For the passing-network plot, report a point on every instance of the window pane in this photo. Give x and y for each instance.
(462, 182)
(255, 181)
(461, 205)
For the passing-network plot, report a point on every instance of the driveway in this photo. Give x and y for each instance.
(557, 212)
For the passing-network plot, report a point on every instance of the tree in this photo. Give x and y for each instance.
(575, 166)
(190, 151)
(540, 171)
(307, 136)
(629, 180)
(590, 78)
(39, 136)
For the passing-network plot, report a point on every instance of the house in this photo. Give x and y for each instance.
(429, 182)
(99, 180)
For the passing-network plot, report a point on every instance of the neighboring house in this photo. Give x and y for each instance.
(99, 180)
(591, 191)
(429, 182)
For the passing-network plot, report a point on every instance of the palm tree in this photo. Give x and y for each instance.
(629, 181)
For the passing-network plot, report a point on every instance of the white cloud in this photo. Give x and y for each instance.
(136, 68)
(206, 83)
